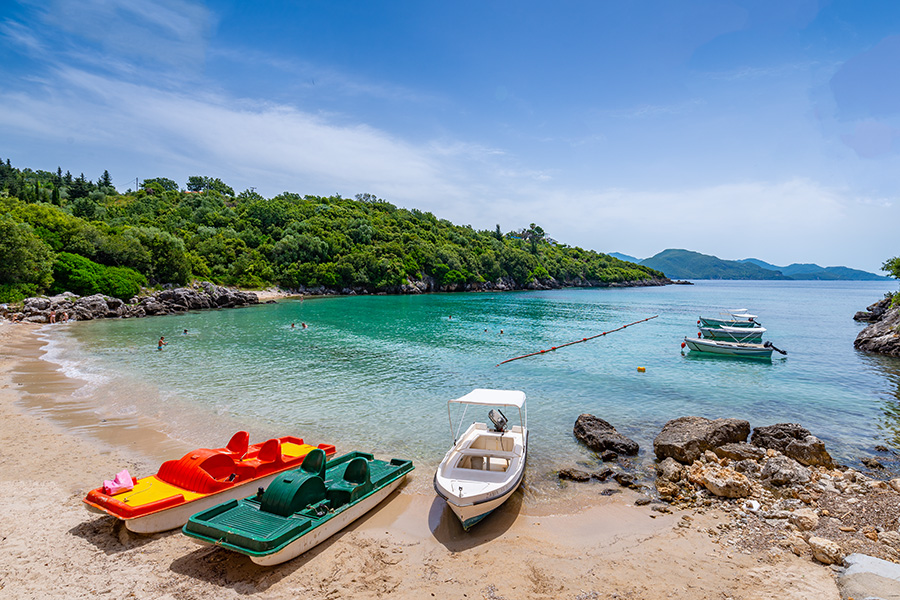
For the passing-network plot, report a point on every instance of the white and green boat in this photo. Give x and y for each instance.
(723, 348)
(744, 335)
(739, 318)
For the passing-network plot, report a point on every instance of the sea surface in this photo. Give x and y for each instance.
(375, 373)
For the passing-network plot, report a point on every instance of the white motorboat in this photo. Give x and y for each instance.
(745, 335)
(724, 348)
(486, 464)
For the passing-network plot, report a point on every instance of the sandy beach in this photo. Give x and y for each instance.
(54, 451)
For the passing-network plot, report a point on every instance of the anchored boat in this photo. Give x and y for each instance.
(301, 508)
(739, 318)
(745, 335)
(724, 348)
(199, 480)
(485, 465)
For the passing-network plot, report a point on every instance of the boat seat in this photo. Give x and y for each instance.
(352, 485)
(489, 453)
(292, 492)
(314, 463)
(270, 451)
(239, 444)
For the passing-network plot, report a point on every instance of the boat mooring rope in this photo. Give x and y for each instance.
(575, 342)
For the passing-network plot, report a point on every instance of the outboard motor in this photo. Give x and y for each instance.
(498, 419)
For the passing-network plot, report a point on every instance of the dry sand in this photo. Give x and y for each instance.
(53, 452)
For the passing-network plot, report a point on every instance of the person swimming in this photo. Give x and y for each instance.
(162, 342)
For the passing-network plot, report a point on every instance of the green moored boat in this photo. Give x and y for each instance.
(300, 508)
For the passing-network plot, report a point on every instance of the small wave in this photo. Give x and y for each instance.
(62, 352)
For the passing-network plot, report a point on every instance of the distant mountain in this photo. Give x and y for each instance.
(685, 264)
(625, 257)
(808, 271)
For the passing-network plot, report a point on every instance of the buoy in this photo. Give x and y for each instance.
(683, 344)
(642, 370)
(698, 321)
(698, 334)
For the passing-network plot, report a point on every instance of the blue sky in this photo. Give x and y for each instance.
(741, 129)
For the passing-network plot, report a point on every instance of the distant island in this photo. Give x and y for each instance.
(685, 264)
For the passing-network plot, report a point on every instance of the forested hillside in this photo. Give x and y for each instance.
(59, 232)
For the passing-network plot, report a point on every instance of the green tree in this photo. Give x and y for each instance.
(27, 260)
(892, 267)
(166, 185)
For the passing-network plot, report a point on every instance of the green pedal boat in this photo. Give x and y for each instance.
(300, 508)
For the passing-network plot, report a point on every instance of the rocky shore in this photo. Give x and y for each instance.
(503, 284)
(781, 490)
(882, 335)
(68, 306)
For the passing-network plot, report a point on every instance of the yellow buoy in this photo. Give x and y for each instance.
(642, 370)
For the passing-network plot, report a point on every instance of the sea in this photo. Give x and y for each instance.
(375, 372)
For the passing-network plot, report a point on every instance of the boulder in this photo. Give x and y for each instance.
(670, 470)
(804, 519)
(739, 451)
(574, 475)
(869, 577)
(881, 335)
(600, 436)
(875, 311)
(686, 438)
(793, 441)
(781, 470)
(748, 467)
(825, 551)
(720, 481)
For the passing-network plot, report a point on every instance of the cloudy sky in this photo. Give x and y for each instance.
(752, 128)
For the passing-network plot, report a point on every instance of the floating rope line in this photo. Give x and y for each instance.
(575, 342)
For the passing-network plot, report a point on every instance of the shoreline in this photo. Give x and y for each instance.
(410, 547)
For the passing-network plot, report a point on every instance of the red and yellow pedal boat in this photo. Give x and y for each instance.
(199, 480)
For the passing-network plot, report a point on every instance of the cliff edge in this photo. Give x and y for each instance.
(882, 335)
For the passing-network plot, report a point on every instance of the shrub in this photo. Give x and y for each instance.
(79, 275)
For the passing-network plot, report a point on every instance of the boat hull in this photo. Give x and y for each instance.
(470, 514)
(746, 335)
(472, 509)
(177, 516)
(727, 323)
(729, 348)
(328, 529)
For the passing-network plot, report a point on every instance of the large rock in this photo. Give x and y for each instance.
(793, 441)
(739, 452)
(874, 312)
(881, 336)
(781, 470)
(721, 481)
(869, 577)
(825, 551)
(670, 470)
(600, 435)
(686, 438)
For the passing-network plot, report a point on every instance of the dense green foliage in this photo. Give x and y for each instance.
(208, 232)
(81, 275)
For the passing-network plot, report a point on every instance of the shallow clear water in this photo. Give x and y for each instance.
(374, 372)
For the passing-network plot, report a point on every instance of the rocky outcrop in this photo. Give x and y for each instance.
(600, 436)
(781, 470)
(686, 438)
(67, 306)
(874, 312)
(793, 441)
(720, 481)
(502, 284)
(882, 336)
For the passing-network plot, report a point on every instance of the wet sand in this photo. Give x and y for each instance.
(588, 546)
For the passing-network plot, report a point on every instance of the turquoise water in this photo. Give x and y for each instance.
(375, 372)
